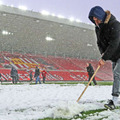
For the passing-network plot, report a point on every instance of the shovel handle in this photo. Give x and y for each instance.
(89, 82)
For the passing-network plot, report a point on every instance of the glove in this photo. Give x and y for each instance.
(101, 62)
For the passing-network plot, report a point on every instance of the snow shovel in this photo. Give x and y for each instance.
(89, 83)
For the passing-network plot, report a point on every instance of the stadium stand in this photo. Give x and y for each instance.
(67, 69)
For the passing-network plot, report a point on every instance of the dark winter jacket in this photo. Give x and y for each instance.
(108, 38)
(31, 75)
(90, 70)
(37, 72)
(14, 72)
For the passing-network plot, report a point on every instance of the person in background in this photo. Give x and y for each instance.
(31, 76)
(44, 72)
(0, 78)
(90, 71)
(107, 30)
(14, 75)
(37, 74)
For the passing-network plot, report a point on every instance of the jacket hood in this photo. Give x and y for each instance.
(97, 12)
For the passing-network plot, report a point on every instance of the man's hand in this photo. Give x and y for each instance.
(101, 62)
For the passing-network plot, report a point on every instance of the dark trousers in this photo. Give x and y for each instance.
(0, 80)
(44, 79)
(14, 79)
(31, 79)
(94, 81)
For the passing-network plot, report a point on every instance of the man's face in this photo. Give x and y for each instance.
(87, 64)
(97, 21)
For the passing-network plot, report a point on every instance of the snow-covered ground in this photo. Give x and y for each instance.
(32, 102)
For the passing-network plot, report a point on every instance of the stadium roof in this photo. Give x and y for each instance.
(32, 32)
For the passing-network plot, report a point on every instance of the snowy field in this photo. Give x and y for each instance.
(33, 102)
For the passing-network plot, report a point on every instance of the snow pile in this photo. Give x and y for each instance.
(67, 110)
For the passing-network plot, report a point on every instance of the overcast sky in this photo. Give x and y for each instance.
(78, 9)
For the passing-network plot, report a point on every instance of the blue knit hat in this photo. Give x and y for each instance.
(97, 12)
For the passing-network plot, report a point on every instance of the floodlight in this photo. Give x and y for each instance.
(49, 38)
(60, 16)
(77, 20)
(22, 7)
(71, 19)
(44, 12)
(84, 30)
(37, 21)
(11, 5)
(53, 14)
(4, 14)
(5, 32)
(90, 45)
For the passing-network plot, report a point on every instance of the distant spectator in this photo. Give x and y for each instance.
(14, 75)
(90, 71)
(31, 76)
(0, 78)
(44, 72)
(37, 74)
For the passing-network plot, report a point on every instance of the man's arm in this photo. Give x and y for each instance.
(113, 44)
